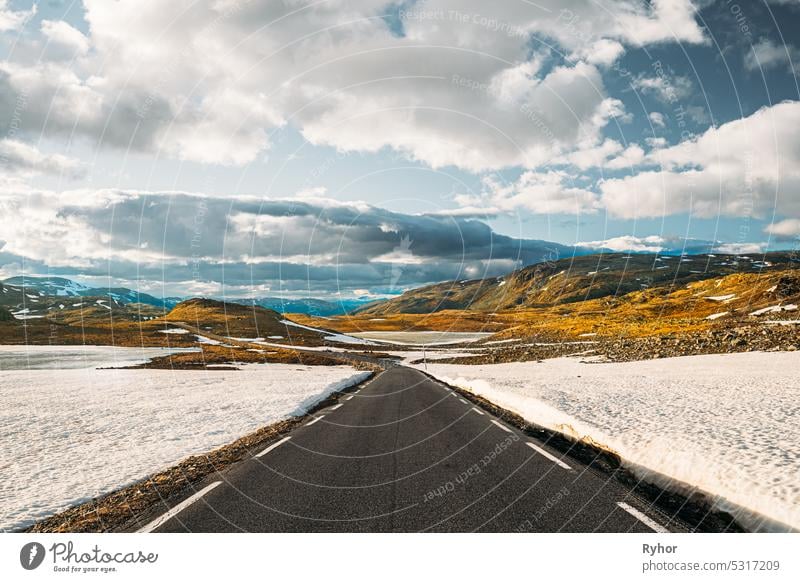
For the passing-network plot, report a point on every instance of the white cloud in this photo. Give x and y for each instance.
(747, 167)
(18, 159)
(766, 54)
(657, 119)
(666, 88)
(784, 229)
(739, 248)
(14, 19)
(594, 155)
(629, 243)
(602, 52)
(65, 38)
(207, 80)
(548, 192)
(628, 159)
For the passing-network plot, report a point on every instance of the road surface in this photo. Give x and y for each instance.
(406, 453)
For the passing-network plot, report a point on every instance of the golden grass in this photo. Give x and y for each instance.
(659, 311)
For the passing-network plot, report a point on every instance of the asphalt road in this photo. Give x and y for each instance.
(405, 453)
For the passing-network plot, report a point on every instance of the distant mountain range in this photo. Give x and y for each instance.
(308, 306)
(16, 290)
(575, 280)
(35, 287)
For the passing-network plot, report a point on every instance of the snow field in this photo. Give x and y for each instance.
(70, 435)
(727, 424)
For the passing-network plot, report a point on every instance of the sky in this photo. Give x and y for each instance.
(358, 148)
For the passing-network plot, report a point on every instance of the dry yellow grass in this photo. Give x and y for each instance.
(651, 312)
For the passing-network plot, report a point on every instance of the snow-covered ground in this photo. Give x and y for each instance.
(420, 338)
(72, 357)
(728, 424)
(331, 337)
(70, 435)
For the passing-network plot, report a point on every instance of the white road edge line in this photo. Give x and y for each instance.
(505, 428)
(273, 446)
(159, 521)
(478, 411)
(316, 419)
(544, 453)
(335, 407)
(349, 397)
(652, 524)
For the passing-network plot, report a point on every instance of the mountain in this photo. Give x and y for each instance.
(575, 279)
(36, 287)
(308, 305)
(48, 286)
(241, 321)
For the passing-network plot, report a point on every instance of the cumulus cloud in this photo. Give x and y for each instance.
(766, 54)
(670, 245)
(786, 229)
(628, 243)
(747, 167)
(657, 119)
(207, 81)
(238, 241)
(18, 159)
(66, 39)
(14, 19)
(550, 192)
(665, 87)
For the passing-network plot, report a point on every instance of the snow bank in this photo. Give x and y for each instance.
(725, 298)
(728, 424)
(24, 357)
(775, 309)
(718, 315)
(420, 338)
(70, 435)
(331, 337)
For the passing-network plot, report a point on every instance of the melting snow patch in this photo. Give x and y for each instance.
(174, 330)
(722, 297)
(775, 309)
(331, 337)
(718, 315)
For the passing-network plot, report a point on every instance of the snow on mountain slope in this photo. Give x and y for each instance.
(49, 285)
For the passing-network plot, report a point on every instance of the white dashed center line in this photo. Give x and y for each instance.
(652, 524)
(335, 407)
(273, 446)
(317, 419)
(544, 453)
(478, 411)
(505, 428)
(159, 521)
(463, 401)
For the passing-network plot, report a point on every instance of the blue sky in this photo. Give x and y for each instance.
(607, 125)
